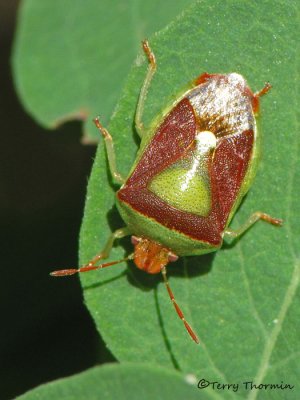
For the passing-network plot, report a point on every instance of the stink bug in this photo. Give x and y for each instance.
(189, 177)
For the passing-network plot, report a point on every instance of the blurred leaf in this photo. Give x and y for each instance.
(241, 301)
(71, 57)
(122, 382)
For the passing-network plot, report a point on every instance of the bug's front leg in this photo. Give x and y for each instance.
(110, 151)
(118, 234)
(143, 93)
(91, 265)
(251, 221)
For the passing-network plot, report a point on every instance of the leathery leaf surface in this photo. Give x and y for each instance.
(123, 382)
(71, 57)
(243, 300)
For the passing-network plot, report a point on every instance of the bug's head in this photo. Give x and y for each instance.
(150, 256)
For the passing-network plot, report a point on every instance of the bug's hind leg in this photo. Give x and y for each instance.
(143, 93)
(258, 95)
(110, 151)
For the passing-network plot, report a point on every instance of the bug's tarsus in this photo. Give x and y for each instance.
(101, 128)
(177, 308)
(267, 218)
(149, 53)
(89, 267)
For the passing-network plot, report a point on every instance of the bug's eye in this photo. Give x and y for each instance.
(172, 257)
(135, 240)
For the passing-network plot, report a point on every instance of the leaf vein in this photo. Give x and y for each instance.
(291, 291)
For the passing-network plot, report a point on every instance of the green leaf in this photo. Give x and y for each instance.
(71, 57)
(122, 382)
(242, 300)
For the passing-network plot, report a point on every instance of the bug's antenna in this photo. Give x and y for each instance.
(177, 308)
(88, 267)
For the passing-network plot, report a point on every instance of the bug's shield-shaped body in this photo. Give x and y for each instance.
(192, 172)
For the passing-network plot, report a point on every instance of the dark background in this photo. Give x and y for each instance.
(46, 332)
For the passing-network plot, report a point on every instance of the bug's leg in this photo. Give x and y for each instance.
(118, 234)
(143, 93)
(251, 221)
(111, 156)
(177, 308)
(257, 95)
(264, 90)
